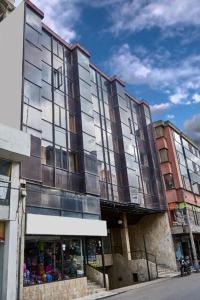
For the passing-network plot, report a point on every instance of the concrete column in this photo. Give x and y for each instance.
(9, 284)
(125, 238)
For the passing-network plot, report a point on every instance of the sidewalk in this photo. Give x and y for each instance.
(110, 293)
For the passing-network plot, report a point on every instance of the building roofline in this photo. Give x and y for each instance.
(132, 97)
(99, 71)
(48, 29)
(170, 124)
(35, 8)
(142, 101)
(115, 78)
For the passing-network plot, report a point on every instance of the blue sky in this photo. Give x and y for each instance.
(153, 45)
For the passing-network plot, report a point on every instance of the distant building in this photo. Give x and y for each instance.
(180, 166)
(6, 6)
(95, 200)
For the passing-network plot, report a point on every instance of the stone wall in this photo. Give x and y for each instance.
(59, 290)
(121, 273)
(156, 230)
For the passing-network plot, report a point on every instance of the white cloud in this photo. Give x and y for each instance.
(192, 127)
(179, 79)
(61, 16)
(170, 117)
(196, 98)
(134, 15)
(178, 97)
(160, 107)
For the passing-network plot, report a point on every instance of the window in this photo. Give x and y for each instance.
(46, 110)
(5, 174)
(72, 162)
(55, 259)
(159, 131)
(46, 72)
(60, 116)
(163, 155)
(32, 35)
(32, 117)
(32, 73)
(61, 157)
(31, 94)
(47, 153)
(130, 125)
(72, 123)
(169, 181)
(58, 78)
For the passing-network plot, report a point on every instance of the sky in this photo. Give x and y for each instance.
(152, 45)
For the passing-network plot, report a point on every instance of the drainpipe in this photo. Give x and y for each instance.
(196, 263)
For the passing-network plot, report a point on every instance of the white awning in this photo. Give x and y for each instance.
(54, 225)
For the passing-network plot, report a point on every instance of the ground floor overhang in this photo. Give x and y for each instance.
(55, 225)
(112, 212)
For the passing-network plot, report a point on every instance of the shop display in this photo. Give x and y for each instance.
(47, 261)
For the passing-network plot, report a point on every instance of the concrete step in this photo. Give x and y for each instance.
(94, 288)
(164, 272)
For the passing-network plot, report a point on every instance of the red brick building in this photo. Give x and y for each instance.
(180, 166)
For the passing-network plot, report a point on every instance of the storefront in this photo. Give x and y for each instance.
(48, 259)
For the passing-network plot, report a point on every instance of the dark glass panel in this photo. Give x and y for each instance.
(33, 36)
(47, 153)
(46, 40)
(87, 124)
(46, 56)
(33, 19)
(46, 72)
(46, 107)
(33, 54)
(32, 73)
(89, 143)
(35, 146)
(47, 131)
(47, 175)
(31, 94)
(31, 169)
(32, 117)
(60, 136)
(46, 90)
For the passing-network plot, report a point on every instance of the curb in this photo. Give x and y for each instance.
(125, 289)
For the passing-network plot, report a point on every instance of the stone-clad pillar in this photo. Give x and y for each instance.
(125, 238)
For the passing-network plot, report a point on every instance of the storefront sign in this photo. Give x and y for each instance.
(53, 225)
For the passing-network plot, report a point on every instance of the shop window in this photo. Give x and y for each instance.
(48, 260)
(169, 181)
(163, 155)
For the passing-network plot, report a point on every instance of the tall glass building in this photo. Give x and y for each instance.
(93, 173)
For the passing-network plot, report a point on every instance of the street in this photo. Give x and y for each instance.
(178, 288)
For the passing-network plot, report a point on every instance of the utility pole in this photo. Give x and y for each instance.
(194, 252)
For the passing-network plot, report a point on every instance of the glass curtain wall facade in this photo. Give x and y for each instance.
(90, 143)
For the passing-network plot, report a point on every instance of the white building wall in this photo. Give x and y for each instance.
(11, 53)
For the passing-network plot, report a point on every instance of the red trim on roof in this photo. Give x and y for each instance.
(44, 26)
(35, 8)
(143, 102)
(99, 71)
(78, 46)
(114, 78)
